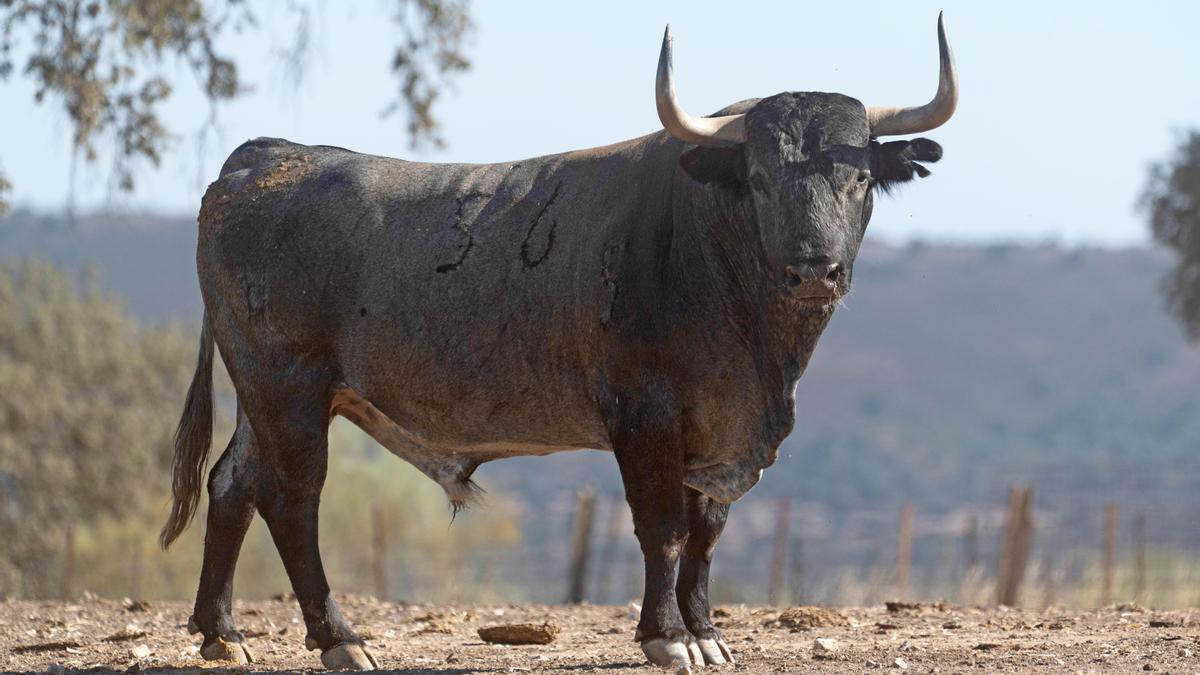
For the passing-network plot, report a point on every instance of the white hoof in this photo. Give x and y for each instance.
(715, 651)
(665, 654)
(348, 656)
(221, 650)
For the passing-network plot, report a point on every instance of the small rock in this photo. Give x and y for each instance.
(635, 611)
(129, 632)
(139, 651)
(806, 618)
(1147, 667)
(897, 607)
(135, 605)
(519, 634)
(952, 625)
(824, 647)
(900, 663)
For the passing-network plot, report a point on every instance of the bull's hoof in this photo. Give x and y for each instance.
(715, 651)
(221, 649)
(348, 656)
(675, 656)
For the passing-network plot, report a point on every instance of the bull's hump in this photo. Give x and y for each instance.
(255, 151)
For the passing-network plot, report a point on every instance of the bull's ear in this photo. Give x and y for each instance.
(898, 161)
(715, 164)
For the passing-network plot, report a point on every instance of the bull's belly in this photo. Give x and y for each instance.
(448, 453)
(450, 460)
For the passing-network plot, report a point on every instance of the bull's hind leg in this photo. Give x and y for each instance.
(706, 519)
(230, 510)
(292, 431)
(649, 452)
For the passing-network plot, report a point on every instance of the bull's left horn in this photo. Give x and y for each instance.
(725, 130)
(897, 121)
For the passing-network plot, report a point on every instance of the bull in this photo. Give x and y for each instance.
(658, 298)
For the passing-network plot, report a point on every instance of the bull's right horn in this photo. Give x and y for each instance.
(887, 121)
(724, 130)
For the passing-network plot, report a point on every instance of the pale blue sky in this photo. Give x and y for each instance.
(1063, 104)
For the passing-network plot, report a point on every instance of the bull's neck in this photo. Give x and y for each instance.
(717, 245)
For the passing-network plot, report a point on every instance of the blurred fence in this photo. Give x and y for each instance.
(579, 546)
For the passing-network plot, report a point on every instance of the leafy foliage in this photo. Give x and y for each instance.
(5, 186)
(427, 58)
(106, 61)
(1172, 201)
(87, 402)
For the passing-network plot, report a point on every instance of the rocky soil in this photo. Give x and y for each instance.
(108, 635)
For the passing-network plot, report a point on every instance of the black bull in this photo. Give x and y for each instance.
(652, 298)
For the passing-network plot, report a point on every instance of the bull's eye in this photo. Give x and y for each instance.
(864, 178)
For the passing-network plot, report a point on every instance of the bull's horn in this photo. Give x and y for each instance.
(723, 130)
(897, 121)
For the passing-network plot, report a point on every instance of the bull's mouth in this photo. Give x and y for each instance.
(816, 303)
(814, 295)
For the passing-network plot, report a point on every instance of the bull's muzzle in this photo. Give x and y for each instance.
(815, 280)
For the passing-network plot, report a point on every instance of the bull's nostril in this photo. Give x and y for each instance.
(833, 272)
(794, 278)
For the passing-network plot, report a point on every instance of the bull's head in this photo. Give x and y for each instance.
(808, 165)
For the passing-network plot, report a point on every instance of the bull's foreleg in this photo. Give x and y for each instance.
(706, 519)
(230, 510)
(650, 455)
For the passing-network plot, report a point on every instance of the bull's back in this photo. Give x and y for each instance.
(468, 302)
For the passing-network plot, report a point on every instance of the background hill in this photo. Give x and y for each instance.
(951, 374)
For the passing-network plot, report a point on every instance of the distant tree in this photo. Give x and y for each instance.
(1171, 199)
(88, 401)
(105, 60)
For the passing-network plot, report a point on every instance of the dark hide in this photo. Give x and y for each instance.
(632, 298)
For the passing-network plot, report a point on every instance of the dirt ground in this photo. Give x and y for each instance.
(930, 638)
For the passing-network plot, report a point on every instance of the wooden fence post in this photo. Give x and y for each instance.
(1110, 553)
(585, 507)
(1017, 539)
(971, 544)
(1139, 557)
(779, 551)
(379, 547)
(797, 580)
(904, 551)
(66, 582)
(608, 554)
(1049, 591)
(135, 571)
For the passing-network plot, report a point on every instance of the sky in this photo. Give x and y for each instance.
(1063, 105)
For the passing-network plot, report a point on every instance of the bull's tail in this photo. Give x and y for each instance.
(193, 438)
